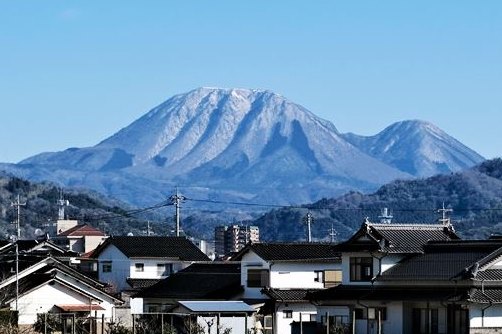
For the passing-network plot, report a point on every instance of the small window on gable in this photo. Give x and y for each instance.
(287, 314)
(361, 269)
(139, 267)
(318, 276)
(107, 266)
(258, 278)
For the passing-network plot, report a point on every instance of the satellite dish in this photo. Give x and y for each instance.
(130, 234)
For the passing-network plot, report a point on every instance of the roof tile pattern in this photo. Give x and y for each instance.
(155, 247)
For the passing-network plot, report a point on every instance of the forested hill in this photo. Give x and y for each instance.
(41, 208)
(475, 196)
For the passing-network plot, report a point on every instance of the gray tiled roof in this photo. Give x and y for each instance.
(489, 275)
(441, 261)
(288, 295)
(154, 247)
(397, 238)
(486, 296)
(384, 293)
(199, 281)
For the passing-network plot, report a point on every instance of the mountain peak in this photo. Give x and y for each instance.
(417, 147)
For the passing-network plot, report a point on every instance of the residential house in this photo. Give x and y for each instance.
(206, 291)
(136, 262)
(80, 238)
(47, 285)
(415, 279)
(278, 276)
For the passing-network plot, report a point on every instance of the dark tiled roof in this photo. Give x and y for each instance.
(141, 283)
(489, 275)
(204, 281)
(293, 251)
(82, 230)
(154, 247)
(382, 293)
(441, 261)
(288, 295)
(397, 238)
(486, 296)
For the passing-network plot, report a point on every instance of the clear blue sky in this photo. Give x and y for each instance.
(74, 72)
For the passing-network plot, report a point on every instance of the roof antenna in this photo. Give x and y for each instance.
(332, 234)
(444, 220)
(385, 216)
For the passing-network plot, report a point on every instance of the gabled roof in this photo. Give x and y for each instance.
(441, 261)
(216, 280)
(396, 238)
(40, 246)
(154, 247)
(291, 251)
(82, 231)
(50, 269)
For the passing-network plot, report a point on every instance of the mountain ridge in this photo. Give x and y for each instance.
(232, 144)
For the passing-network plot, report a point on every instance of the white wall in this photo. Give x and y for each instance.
(150, 268)
(251, 261)
(43, 299)
(492, 318)
(298, 275)
(283, 325)
(121, 268)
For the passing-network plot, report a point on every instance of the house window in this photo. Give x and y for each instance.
(332, 278)
(361, 269)
(164, 269)
(375, 312)
(267, 324)
(318, 276)
(107, 266)
(287, 314)
(139, 267)
(425, 321)
(257, 278)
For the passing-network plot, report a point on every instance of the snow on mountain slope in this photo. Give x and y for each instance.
(418, 148)
(235, 140)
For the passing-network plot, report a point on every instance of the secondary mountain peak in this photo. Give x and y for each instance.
(417, 147)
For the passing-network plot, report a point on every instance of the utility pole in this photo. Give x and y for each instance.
(445, 220)
(309, 219)
(176, 199)
(17, 204)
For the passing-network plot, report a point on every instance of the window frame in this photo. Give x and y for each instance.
(264, 278)
(106, 266)
(358, 266)
(139, 267)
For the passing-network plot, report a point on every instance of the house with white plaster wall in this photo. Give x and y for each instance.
(415, 278)
(276, 278)
(47, 285)
(135, 262)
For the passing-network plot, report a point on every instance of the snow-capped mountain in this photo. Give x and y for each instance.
(226, 144)
(418, 148)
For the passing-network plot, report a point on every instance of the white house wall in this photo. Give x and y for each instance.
(251, 261)
(43, 299)
(492, 316)
(121, 268)
(283, 325)
(387, 262)
(150, 268)
(294, 275)
(236, 324)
